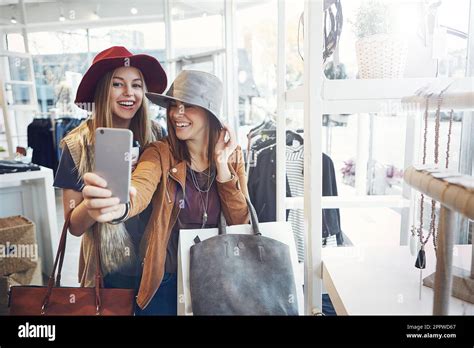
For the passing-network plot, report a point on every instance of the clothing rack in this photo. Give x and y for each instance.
(453, 199)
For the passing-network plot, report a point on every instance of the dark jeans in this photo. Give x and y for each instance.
(328, 308)
(119, 281)
(165, 300)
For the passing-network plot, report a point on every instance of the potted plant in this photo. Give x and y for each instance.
(380, 54)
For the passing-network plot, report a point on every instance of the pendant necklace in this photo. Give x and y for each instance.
(421, 257)
(205, 203)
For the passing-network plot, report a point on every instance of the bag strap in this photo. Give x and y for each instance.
(222, 226)
(55, 279)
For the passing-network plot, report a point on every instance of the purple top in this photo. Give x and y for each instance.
(192, 210)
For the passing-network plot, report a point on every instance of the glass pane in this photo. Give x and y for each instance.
(204, 19)
(256, 26)
(15, 42)
(58, 42)
(294, 43)
(59, 60)
(19, 69)
(144, 38)
(18, 94)
(429, 39)
(90, 12)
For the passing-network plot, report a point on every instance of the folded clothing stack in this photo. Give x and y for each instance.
(7, 167)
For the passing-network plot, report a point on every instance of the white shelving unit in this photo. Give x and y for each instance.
(10, 109)
(321, 96)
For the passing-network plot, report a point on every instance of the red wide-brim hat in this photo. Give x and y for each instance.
(113, 58)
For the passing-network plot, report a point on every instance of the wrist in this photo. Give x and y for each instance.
(123, 216)
(223, 173)
(223, 180)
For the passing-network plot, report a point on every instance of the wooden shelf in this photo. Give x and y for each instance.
(455, 197)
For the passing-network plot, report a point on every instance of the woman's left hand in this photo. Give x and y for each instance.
(224, 149)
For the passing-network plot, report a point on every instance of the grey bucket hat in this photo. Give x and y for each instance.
(193, 87)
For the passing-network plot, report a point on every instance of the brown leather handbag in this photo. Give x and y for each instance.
(56, 300)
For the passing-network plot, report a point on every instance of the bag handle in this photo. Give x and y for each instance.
(55, 279)
(253, 220)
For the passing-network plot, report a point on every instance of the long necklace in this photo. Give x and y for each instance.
(205, 203)
(421, 257)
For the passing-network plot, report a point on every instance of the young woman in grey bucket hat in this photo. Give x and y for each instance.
(192, 175)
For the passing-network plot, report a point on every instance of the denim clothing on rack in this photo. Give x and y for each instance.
(62, 127)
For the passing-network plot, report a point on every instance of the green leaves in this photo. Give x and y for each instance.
(372, 18)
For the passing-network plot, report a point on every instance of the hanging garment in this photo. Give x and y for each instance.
(331, 217)
(262, 184)
(294, 172)
(62, 127)
(40, 139)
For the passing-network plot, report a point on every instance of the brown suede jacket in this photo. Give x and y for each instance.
(155, 179)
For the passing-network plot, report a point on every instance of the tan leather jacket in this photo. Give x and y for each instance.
(155, 179)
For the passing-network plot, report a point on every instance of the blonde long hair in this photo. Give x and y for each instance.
(102, 116)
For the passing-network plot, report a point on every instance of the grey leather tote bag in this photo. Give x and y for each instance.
(242, 274)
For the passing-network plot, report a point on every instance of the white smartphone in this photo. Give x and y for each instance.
(113, 159)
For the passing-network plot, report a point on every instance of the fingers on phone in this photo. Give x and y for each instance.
(101, 203)
(94, 191)
(94, 180)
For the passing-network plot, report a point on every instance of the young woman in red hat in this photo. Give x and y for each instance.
(190, 177)
(113, 90)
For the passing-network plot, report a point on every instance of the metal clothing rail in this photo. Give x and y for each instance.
(454, 198)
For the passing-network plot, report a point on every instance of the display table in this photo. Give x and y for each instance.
(382, 280)
(31, 194)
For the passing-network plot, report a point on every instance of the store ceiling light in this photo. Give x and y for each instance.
(133, 11)
(13, 20)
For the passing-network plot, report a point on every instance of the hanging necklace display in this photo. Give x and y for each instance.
(421, 257)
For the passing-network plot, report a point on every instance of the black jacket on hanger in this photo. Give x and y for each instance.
(262, 189)
(262, 185)
(331, 217)
(40, 139)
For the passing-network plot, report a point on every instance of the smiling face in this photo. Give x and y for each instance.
(126, 93)
(188, 121)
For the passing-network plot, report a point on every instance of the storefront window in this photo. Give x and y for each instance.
(205, 19)
(294, 43)
(257, 55)
(437, 48)
(15, 42)
(58, 58)
(148, 37)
